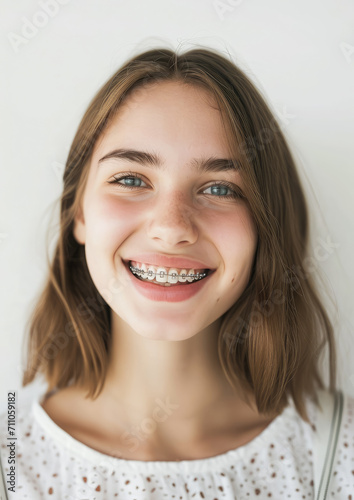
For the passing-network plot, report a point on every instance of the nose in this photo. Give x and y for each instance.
(172, 221)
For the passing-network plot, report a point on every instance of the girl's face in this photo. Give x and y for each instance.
(161, 203)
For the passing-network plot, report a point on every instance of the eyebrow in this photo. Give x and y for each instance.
(201, 165)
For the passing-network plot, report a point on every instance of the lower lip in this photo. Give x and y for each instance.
(173, 293)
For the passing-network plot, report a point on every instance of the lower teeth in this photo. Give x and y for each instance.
(162, 284)
(154, 282)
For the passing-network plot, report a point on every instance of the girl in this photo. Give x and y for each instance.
(179, 331)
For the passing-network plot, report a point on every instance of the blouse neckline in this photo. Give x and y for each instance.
(278, 425)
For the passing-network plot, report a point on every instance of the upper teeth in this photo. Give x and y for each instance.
(165, 274)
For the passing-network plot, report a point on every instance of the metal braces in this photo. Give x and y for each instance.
(139, 272)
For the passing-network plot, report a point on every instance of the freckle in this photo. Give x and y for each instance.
(217, 300)
(233, 279)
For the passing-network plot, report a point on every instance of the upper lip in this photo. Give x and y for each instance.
(167, 261)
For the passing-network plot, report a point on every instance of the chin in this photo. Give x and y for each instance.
(164, 333)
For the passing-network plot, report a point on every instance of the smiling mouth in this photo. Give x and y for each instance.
(167, 279)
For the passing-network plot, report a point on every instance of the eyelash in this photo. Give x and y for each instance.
(235, 192)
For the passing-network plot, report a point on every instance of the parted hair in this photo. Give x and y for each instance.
(271, 339)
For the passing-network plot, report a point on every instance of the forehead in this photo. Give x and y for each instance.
(168, 115)
(165, 93)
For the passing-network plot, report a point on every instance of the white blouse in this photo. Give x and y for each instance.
(276, 464)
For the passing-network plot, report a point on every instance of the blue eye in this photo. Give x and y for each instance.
(131, 181)
(219, 189)
(224, 187)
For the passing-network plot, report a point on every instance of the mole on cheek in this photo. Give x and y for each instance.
(233, 279)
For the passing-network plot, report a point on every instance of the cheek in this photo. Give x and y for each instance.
(236, 240)
(110, 221)
(235, 237)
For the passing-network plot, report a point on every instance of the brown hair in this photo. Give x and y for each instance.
(271, 338)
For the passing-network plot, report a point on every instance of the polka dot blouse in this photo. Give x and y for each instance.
(277, 464)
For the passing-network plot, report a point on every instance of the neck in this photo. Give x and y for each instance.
(174, 383)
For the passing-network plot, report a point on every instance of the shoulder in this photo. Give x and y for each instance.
(332, 415)
(332, 411)
(16, 424)
(339, 405)
(67, 407)
(45, 463)
(25, 422)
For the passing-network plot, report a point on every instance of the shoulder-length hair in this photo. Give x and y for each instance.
(271, 339)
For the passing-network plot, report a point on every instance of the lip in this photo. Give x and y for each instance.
(173, 293)
(166, 261)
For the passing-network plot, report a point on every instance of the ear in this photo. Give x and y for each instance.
(79, 228)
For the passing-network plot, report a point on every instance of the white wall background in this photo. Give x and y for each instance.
(301, 56)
